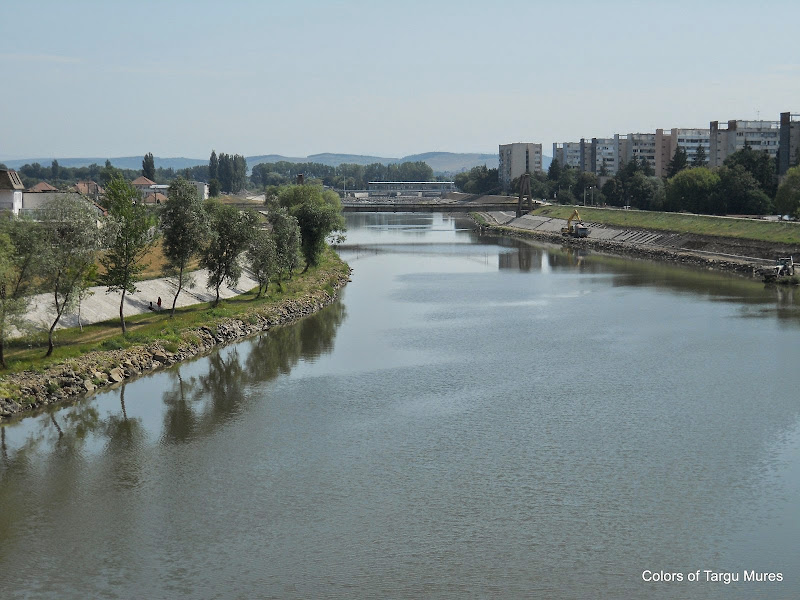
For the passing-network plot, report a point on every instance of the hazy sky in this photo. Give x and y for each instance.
(298, 77)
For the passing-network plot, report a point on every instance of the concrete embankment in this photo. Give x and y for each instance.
(27, 391)
(745, 257)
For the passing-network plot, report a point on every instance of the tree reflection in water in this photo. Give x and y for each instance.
(197, 405)
(124, 436)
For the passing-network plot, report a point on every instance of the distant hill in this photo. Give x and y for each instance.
(440, 162)
(449, 162)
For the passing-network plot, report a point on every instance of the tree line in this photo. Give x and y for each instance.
(348, 176)
(227, 173)
(58, 251)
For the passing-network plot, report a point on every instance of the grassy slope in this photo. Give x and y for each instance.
(27, 353)
(746, 229)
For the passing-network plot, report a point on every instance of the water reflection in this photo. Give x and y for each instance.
(193, 405)
(198, 404)
(778, 301)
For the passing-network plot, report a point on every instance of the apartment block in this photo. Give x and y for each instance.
(605, 153)
(759, 135)
(789, 144)
(568, 154)
(690, 140)
(516, 159)
(641, 146)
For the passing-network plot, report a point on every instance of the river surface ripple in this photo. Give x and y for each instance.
(476, 417)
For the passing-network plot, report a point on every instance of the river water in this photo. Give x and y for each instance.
(476, 417)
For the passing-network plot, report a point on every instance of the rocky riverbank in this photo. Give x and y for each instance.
(719, 253)
(75, 378)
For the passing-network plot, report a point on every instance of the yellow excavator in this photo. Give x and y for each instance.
(578, 230)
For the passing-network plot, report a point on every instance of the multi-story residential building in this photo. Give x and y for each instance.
(641, 146)
(759, 135)
(516, 159)
(789, 145)
(605, 155)
(690, 140)
(568, 154)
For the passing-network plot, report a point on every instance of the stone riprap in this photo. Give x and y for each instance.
(745, 257)
(29, 390)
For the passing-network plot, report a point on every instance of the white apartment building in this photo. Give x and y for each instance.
(516, 159)
(568, 154)
(690, 140)
(605, 152)
(759, 135)
(641, 146)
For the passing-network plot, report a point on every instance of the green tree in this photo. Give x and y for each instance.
(108, 173)
(613, 192)
(678, 163)
(184, 232)
(230, 233)
(565, 196)
(692, 190)
(70, 239)
(55, 171)
(759, 164)
(554, 170)
(699, 159)
(640, 191)
(213, 188)
(787, 199)
(263, 257)
(149, 166)
(213, 166)
(739, 193)
(129, 236)
(603, 168)
(645, 167)
(239, 174)
(478, 180)
(225, 172)
(19, 254)
(286, 234)
(585, 180)
(567, 180)
(318, 213)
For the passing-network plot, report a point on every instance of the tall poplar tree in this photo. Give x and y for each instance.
(213, 166)
(149, 166)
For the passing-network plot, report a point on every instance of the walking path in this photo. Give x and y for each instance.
(100, 306)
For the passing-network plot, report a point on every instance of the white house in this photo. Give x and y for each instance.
(10, 191)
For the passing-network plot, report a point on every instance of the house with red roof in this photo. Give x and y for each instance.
(41, 187)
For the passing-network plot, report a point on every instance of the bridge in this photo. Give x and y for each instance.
(449, 202)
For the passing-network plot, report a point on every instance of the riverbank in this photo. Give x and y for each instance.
(75, 377)
(735, 255)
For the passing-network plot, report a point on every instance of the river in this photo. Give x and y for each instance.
(476, 417)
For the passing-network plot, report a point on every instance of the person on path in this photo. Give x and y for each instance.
(159, 303)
